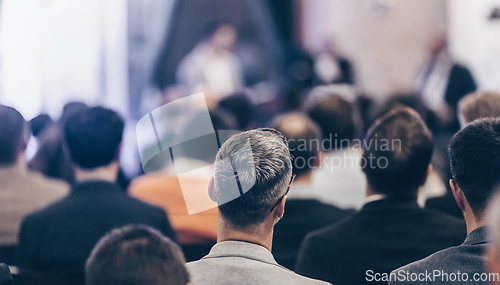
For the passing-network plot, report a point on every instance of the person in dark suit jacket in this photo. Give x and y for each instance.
(480, 104)
(442, 83)
(475, 164)
(5, 276)
(304, 211)
(391, 229)
(58, 239)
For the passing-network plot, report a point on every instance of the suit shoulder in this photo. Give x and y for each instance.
(203, 267)
(46, 213)
(143, 206)
(433, 261)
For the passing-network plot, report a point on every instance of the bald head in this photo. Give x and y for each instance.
(481, 104)
(12, 130)
(303, 136)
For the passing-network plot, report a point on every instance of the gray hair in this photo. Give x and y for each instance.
(252, 171)
(480, 104)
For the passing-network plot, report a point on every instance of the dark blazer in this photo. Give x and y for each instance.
(383, 236)
(59, 238)
(302, 216)
(5, 276)
(460, 83)
(466, 258)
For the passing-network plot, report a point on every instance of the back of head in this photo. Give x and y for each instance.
(40, 123)
(12, 132)
(93, 137)
(481, 104)
(136, 255)
(267, 167)
(397, 152)
(303, 138)
(399, 100)
(475, 161)
(70, 109)
(334, 115)
(241, 108)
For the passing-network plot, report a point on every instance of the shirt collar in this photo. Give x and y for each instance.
(375, 197)
(94, 187)
(391, 203)
(477, 236)
(241, 249)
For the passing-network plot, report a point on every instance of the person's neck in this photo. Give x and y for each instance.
(372, 195)
(19, 163)
(106, 173)
(472, 221)
(261, 234)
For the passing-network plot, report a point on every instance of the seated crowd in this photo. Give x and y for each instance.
(303, 199)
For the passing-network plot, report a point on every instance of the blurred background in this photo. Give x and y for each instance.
(134, 56)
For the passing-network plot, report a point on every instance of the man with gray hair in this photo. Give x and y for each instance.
(480, 104)
(253, 173)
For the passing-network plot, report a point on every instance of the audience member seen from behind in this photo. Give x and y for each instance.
(481, 104)
(243, 110)
(492, 255)
(304, 212)
(391, 230)
(258, 160)
(22, 191)
(136, 255)
(50, 158)
(339, 179)
(475, 163)
(59, 238)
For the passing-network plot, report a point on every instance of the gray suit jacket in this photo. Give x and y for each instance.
(237, 262)
(464, 261)
(22, 192)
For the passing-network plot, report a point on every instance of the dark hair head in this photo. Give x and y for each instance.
(263, 165)
(136, 255)
(40, 123)
(475, 161)
(481, 104)
(335, 116)
(93, 137)
(241, 108)
(70, 109)
(397, 152)
(399, 100)
(12, 131)
(303, 138)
